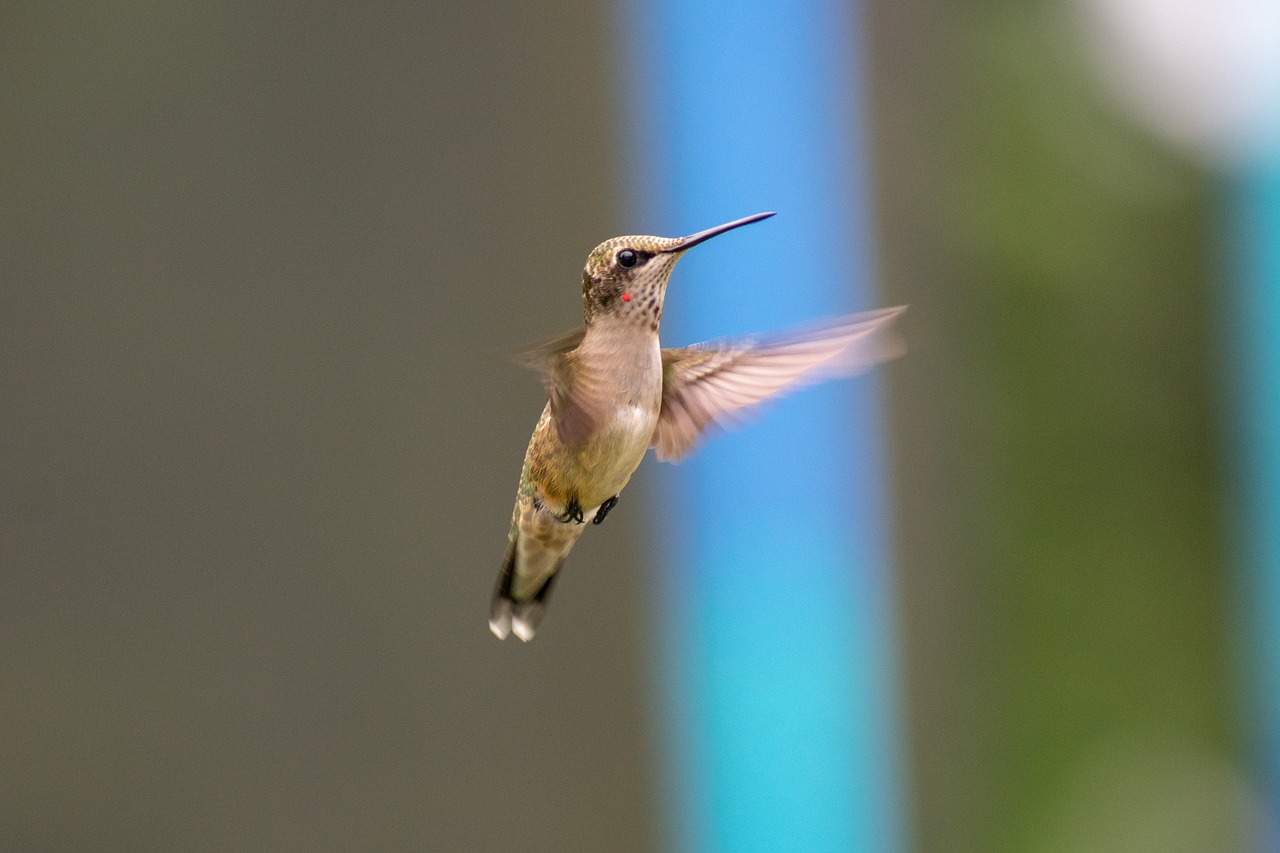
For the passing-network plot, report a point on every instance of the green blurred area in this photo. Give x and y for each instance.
(1066, 595)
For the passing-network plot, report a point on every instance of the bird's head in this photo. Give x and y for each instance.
(626, 277)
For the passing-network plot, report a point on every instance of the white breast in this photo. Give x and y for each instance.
(628, 437)
(635, 422)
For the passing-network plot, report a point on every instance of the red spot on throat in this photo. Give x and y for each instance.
(626, 297)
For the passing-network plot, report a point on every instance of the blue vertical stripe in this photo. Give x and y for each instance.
(778, 671)
(1257, 242)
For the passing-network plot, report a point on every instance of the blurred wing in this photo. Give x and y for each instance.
(542, 357)
(568, 388)
(713, 381)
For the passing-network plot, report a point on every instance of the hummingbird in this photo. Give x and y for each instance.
(613, 392)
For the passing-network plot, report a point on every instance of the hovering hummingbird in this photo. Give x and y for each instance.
(614, 392)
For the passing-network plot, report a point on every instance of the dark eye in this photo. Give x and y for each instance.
(628, 259)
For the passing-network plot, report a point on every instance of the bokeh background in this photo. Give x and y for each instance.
(261, 266)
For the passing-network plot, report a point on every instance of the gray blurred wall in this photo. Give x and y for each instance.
(260, 269)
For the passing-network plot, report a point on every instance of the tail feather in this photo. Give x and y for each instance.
(507, 614)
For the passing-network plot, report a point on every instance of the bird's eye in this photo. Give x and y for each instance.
(628, 259)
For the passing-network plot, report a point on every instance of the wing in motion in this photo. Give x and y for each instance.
(713, 381)
(571, 393)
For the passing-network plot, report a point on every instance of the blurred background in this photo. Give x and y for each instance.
(261, 267)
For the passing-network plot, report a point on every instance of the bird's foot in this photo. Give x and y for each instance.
(572, 512)
(604, 509)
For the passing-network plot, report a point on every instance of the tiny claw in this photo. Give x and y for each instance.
(604, 509)
(572, 512)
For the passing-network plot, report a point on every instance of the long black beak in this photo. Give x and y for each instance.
(703, 236)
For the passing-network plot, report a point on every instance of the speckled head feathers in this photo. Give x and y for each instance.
(626, 277)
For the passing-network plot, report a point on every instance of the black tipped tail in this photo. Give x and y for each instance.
(509, 615)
